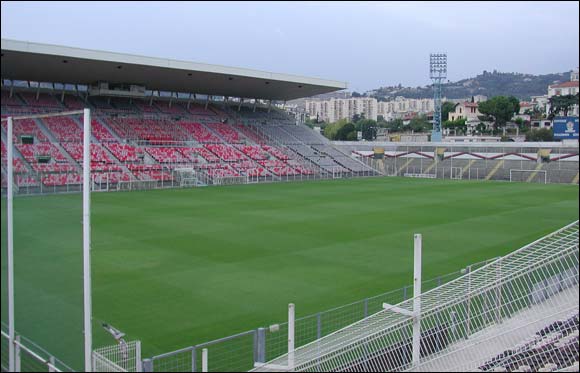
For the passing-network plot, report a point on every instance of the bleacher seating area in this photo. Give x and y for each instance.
(138, 140)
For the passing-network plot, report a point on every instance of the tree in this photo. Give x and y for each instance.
(331, 130)
(420, 124)
(542, 134)
(351, 136)
(501, 109)
(395, 125)
(523, 126)
(368, 127)
(481, 129)
(562, 104)
(356, 94)
(446, 108)
(343, 132)
(515, 104)
(458, 125)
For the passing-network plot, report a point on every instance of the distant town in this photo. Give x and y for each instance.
(389, 112)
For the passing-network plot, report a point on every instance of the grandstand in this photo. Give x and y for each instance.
(138, 143)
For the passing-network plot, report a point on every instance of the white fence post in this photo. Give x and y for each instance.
(87, 307)
(138, 361)
(204, 360)
(417, 300)
(291, 336)
(10, 234)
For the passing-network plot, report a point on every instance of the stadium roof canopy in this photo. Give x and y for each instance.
(29, 61)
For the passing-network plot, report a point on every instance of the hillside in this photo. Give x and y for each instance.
(488, 84)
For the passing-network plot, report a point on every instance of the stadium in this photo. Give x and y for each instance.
(224, 235)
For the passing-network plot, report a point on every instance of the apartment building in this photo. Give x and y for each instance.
(342, 108)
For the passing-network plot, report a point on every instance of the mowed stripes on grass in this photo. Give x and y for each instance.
(178, 267)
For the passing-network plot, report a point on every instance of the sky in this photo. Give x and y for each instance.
(366, 44)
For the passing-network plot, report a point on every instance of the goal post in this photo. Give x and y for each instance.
(529, 176)
(49, 152)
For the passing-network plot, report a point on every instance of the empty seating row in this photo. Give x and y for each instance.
(255, 172)
(74, 102)
(62, 179)
(243, 164)
(251, 134)
(166, 155)
(64, 129)
(304, 134)
(52, 167)
(277, 133)
(101, 133)
(226, 131)
(273, 163)
(26, 181)
(43, 100)
(175, 108)
(199, 132)
(22, 181)
(191, 154)
(200, 110)
(31, 152)
(25, 127)
(154, 131)
(225, 152)
(254, 151)
(144, 167)
(105, 167)
(98, 154)
(17, 163)
(284, 171)
(125, 152)
(145, 107)
(275, 152)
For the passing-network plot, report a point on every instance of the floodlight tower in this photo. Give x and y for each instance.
(437, 73)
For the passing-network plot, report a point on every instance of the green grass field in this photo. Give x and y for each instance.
(179, 267)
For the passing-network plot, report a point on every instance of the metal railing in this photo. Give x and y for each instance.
(29, 357)
(241, 351)
(465, 323)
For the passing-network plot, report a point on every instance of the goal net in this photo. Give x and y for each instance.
(529, 176)
(456, 173)
(185, 176)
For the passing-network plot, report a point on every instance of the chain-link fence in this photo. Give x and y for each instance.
(241, 351)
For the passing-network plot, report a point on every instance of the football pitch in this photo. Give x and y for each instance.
(174, 268)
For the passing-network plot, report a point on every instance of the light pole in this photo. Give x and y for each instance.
(437, 73)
